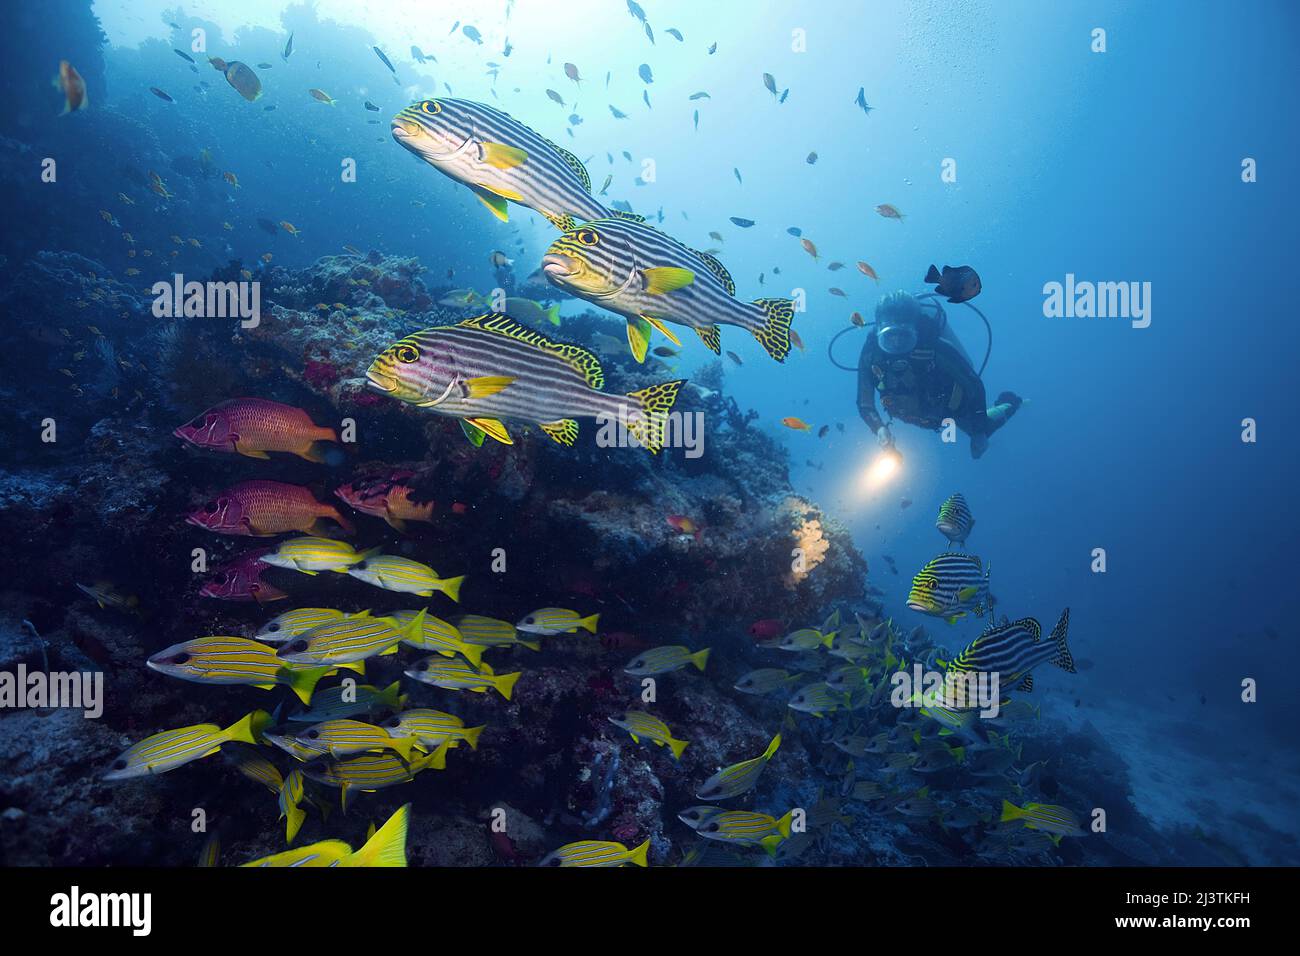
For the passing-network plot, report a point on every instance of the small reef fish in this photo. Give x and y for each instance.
(266, 508)
(548, 621)
(235, 661)
(292, 623)
(631, 268)
(432, 727)
(439, 636)
(664, 660)
(255, 426)
(107, 595)
(1043, 816)
(343, 737)
(462, 675)
(322, 97)
(243, 79)
(597, 853)
(499, 158)
(491, 632)
(350, 699)
(175, 748)
(639, 724)
(394, 573)
(741, 827)
(369, 772)
(738, 778)
(764, 681)
(798, 424)
(955, 520)
(241, 580)
(311, 555)
(949, 586)
(348, 642)
(806, 639)
(684, 525)
(73, 87)
(387, 497)
(959, 283)
(889, 212)
(490, 367)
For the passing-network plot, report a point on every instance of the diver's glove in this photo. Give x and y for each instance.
(885, 437)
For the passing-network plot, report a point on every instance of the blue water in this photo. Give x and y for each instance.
(1123, 165)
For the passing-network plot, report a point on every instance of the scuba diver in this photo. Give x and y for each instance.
(922, 375)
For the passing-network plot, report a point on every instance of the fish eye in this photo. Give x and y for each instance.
(181, 658)
(713, 827)
(119, 764)
(588, 237)
(407, 354)
(555, 862)
(393, 722)
(431, 107)
(529, 619)
(273, 627)
(299, 645)
(313, 734)
(360, 566)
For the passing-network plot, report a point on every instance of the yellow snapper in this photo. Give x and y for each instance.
(175, 748)
(235, 660)
(387, 847)
(348, 642)
(394, 573)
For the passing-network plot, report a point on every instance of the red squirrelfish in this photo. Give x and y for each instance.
(766, 629)
(255, 426)
(265, 508)
(685, 525)
(241, 580)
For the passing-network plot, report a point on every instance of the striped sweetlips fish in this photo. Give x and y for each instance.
(1013, 649)
(949, 586)
(499, 159)
(631, 268)
(955, 520)
(491, 367)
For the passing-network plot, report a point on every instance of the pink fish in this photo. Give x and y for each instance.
(266, 508)
(241, 580)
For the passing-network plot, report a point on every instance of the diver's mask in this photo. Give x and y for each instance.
(896, 338)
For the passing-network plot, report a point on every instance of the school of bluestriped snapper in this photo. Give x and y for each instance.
(483, 372)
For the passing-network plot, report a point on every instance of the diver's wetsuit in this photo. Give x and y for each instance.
(936, 380)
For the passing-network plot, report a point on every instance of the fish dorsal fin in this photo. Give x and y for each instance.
(626, 216)
(574, 163)
(579, 359)
(718, 269)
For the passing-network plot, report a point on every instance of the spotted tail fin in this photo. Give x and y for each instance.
(774, 333)
(654, 403)
(1063, 659)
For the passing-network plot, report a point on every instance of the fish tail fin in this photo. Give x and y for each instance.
(388, 845)
(249, 728)
(700, 658)
(653, 403)
(774, 333)
(772, 843)
(472, 653)
(413, 627)
(677, 746)
(1063, 659)
(324, 452)
(293, 820)
(589, 623)
(402, 746)
(1010, 811)
(638, 855)
(505, 684)
(471, 735)
(451, 587)
(437, 760)
(553, 314)
(303, 682)
(933, 274)
(783, 825)
(771, 748)
(391, 695)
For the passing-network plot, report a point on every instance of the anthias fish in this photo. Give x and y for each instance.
(255, 426)
(490, 368)
(649, 278)
(499, 158)
(266, 508)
